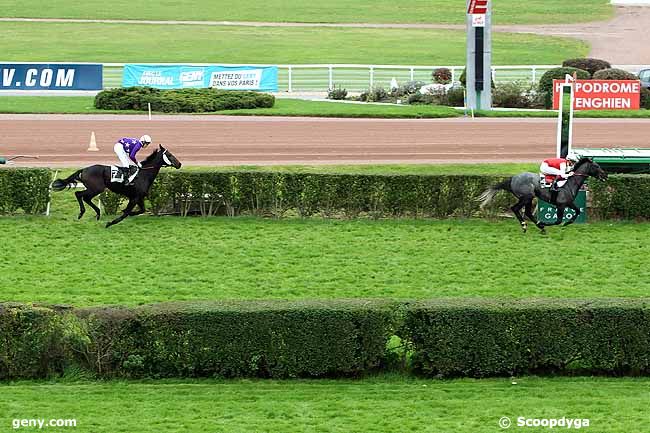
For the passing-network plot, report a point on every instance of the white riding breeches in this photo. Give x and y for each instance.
(547, 169)
(125, 161)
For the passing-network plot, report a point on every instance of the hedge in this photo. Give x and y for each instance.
(180, 100)
(280, 339)
(480, 338)
(623, 196)
(24, 189)
(279, 194)
(587, 64)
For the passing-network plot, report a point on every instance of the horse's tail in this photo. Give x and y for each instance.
(61, 184)
(489, 193)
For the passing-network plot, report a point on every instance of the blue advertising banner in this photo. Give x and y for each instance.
(263, 78)
(50, 76)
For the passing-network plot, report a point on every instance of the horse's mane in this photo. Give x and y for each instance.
(150, 158)
(582, 160)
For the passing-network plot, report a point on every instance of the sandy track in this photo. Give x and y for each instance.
(62, 141)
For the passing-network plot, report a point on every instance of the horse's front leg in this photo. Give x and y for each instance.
(577, 213)
(140, 204)
(125, 213)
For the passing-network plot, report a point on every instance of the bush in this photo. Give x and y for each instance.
(614, 74)
(456, 97)
(181, 100)
(327, 195)
(239, 339)
(337, 93)
(26, 189)
(376, 94)
(645, 98)
(514, 95)
(545, 86)
(481, 338)
(587, 64)
(408, 88)
(441, 76)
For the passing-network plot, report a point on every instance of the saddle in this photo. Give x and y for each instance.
(546, 181)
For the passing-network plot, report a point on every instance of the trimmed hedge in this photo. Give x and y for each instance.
(329, 195)
(545, 85)
(614, 74)
(623, 196)
(180, 100)
(255, 338)
(26, 189)
(480, 338)
(278, 339)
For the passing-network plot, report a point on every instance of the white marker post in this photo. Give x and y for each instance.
(149, 105)
(92, 146)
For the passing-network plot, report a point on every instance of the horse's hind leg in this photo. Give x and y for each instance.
(140, 204)
(82, 208)
(516, 209)
(88, 197)
(529, 211)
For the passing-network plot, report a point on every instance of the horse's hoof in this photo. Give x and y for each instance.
(80, 215)
(97, 217)
(107, 225)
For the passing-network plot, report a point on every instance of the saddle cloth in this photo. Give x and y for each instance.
(116, 174)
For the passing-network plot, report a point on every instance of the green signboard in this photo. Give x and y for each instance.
(547, 213)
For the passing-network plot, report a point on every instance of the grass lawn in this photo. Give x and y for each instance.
(380, 404)
(336, 11)
(293, 107)
(124, 43)
(148, 259)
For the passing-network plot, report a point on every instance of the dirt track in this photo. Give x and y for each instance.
(62, 141)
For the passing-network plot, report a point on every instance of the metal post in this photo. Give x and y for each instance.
(290, 79)
(331, 86)
(412, 75)
(372, 77)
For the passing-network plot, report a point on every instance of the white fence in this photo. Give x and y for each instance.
(357, 78)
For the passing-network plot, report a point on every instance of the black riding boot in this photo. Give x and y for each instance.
(554, 190)
(129, 172)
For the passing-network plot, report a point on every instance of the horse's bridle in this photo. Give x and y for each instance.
(165, 160)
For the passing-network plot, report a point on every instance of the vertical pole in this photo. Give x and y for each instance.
(372, 77)
(290, 78)
(469, 60)
(331, 85)
(486, 94)
(412, 75)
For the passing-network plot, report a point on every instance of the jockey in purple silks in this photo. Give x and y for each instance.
(126, 148)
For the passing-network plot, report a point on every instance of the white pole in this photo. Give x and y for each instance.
(290, 78)
(49, 200)
(558, 147)
(149, 105)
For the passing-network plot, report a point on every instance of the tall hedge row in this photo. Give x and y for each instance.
(328, 195)
(446, 337)
(492, 338)
(24, 189)
(623, 196)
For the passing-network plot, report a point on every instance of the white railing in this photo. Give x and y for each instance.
(357, 78)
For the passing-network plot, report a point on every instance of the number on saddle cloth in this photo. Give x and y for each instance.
(117, 175)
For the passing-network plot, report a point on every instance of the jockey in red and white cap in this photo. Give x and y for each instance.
(556, 170)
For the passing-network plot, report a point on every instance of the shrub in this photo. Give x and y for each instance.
(441, 76)
(408, 88)
(545, 85)
(622, 196)
(456, 97)
(26, 189)
(235, 339)
(181, 100)
(481, 338)
(587, 64)
(337, 93)
(513, 95)
(376, 94)
(645, 98)
(614, 74)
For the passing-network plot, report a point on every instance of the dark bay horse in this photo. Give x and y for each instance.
(97, 178)
(526, 186)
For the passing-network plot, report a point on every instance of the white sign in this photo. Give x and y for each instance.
(478, 20)
(237, 80)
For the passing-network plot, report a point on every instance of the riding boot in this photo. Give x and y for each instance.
(126, 171)
(130, 172)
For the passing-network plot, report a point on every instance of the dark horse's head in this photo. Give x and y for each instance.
(161, 157)
(587, 166)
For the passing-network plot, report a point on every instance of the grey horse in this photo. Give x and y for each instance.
(526, 186)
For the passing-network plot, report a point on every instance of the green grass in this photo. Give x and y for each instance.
(379, 404)
(292, 107)
(122, 43)
(337, 11)
(150, 259)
